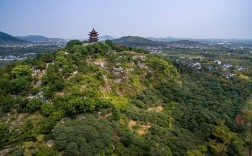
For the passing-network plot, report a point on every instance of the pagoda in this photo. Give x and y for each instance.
(93, 36)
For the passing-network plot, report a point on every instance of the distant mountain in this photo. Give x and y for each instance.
(162, 39)
(185, 42)
(240, 41)
(106, 37)
(8, 39)
(136, 41)
(38, 38)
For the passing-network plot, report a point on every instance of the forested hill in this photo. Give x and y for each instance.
(136, 41)
(8, 39)
(38, 38)
(105, 99)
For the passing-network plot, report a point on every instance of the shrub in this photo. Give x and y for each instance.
(46, 109)
(34, 104)
(35, 91)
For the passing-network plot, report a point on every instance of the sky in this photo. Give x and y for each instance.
(73, 19)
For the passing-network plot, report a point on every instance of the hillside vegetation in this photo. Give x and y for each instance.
(105, 99)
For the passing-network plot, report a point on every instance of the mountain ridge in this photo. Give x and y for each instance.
(106, 37)
(40, 38)
(135, 41)
(9, 39)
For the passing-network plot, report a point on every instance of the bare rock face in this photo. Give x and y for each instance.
(50, 143)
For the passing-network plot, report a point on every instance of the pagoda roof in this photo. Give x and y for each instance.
(93, 31)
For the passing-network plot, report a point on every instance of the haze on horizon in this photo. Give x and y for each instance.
(146, 18)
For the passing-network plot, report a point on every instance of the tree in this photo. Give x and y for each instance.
(6, 102)
(34, 104)
(22, 79)
(35, 91)
(40, 65)
(61, 60)
(225, 139)
(71, 149)
(88, 105)
(99, 48)
(198, 152)
(110, 43)
(67, 70)
(59, 85)
(74, 105)
(115, 113)
(72, 43)
(20, 85)
(21, 71)
(76, 56)
(47, 58)
(46, 109)
(77, 48)
(83, 137)
(48, 92)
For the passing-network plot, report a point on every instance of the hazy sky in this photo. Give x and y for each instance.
(157, 18)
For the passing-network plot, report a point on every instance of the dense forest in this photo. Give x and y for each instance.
(105, 99)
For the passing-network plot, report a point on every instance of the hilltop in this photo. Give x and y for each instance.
(106, 99)
(136, 41)
(8, 39)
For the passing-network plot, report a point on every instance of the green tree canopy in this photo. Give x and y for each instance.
(34, 104)
(21, 71)
(72, 43)
(19, 85)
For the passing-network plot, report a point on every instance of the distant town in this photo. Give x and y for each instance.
(198, 45)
